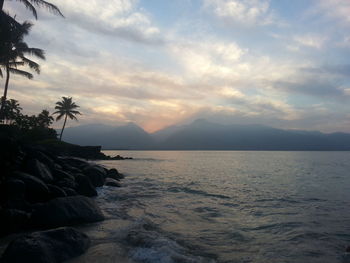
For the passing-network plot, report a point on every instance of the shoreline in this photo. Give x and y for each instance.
(44, 195)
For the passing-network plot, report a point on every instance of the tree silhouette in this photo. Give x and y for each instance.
(11, 110)
(31, 4)
(45, 119)
(12, 56)
(67, 108)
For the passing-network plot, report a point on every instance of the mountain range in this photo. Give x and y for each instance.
(204, 135)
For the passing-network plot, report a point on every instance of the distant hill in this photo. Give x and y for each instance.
(129, 136)
(204, 135)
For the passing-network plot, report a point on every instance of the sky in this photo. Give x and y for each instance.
(157, 63)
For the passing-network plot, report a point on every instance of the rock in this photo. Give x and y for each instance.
(15, 195)
(66, 182)
(70, 191)
(36, 189)
(113, 173)
(96, 174)
(45, 159)
(66, 211)
(39, 170)
(84, 186)
(112, 182)
(75, 162)
(13, 220)
(15, 189)
(56, 191)
(60, 174)
(52, 246)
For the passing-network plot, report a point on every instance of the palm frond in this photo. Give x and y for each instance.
(35, 52)
(52, 8)
(21, 73)
(59, 116)
(33, 65)
(29, 6)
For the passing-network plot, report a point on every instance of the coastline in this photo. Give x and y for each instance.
(45, 195)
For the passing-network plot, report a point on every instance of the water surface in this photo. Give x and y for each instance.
(227, 206)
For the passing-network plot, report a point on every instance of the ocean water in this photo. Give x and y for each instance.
(225, 206)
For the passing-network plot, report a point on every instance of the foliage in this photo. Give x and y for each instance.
(35, 127)
(11, 111)
(31, 4)
(66, 108)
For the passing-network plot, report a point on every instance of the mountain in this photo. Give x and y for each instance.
(204, 135)
(129, 136)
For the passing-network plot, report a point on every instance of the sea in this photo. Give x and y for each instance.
(224, 206)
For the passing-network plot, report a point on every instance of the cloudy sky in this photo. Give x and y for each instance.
(157, 63)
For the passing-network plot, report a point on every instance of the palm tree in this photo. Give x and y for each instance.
(30, 4)
(12, 56)
(11, 110)
(45, 119)
(66, 108)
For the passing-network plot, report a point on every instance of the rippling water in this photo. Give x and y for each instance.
(207, 206)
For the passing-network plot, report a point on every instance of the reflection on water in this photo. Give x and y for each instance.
(233, 206)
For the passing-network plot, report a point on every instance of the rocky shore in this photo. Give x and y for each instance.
(44, 194)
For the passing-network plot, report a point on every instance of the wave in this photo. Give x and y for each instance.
(196, 192)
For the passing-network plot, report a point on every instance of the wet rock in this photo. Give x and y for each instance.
(70, 191)
(15, 195)
(36, 189)
(75, 162)
(96, 175)
(84, 186)
(112, 182)
(45, 159)
(56, 191)
(15, 189)
(39, 170)
(66, 211)
(60, 174)
(13, 220)
(113, 173)
(67, 182)
(52, 246)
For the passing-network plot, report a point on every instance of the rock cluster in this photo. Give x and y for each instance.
(46, 191)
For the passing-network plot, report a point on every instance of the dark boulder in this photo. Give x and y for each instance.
(112, 182)
(70, 191)
(59, 174)
(15, 189)
(39, 170)
(96, 174)
(66, 211)
(13, 220)
(15, 195)
(73, 161)
(44, 158)
(36, 189)
(56, 191)
(84, 186)
(113, 173)
(67, 182)
(52, 246)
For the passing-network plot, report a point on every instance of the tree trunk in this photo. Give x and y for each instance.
(64, 124)
(3, 99)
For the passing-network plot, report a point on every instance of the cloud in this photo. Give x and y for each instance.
(117, 18)
(312, 41)
(313, 87)
(334, 9)
(246, 12)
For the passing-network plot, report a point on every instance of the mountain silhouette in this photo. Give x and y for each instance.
(129, 136)
(204, 135)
